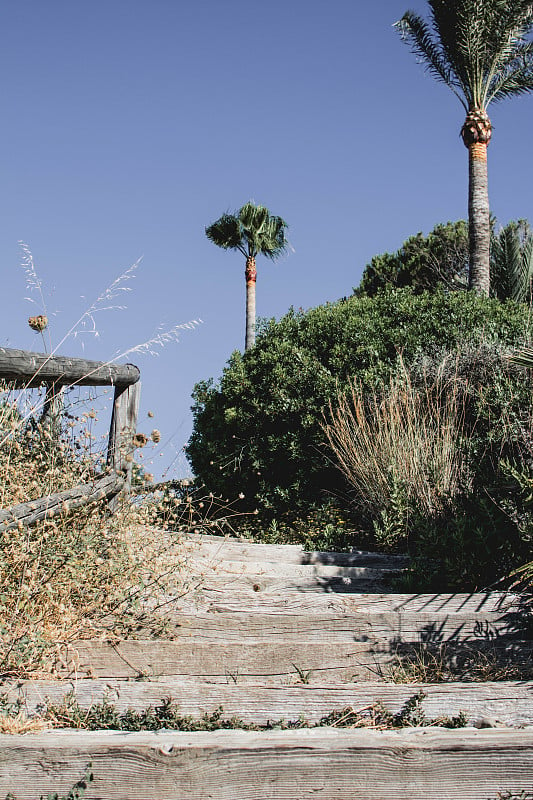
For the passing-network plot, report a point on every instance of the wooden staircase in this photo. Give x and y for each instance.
(273, 632)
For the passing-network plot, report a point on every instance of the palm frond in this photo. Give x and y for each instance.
(252, 217)
(512, 262)
(273, 240)
(477, 47)
(416, 32)
(523, 357)
(525, 278)
(515, 76)
(226, 233)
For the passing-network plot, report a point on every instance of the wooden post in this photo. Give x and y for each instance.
(52, 410)
(123, 427)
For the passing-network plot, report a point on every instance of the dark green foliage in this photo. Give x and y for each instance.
(259, 430)
(440, 259)
(476, 543)
(487, 529)
(511, 263)
(423, 262)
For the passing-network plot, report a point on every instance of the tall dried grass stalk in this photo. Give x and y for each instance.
(403, 438)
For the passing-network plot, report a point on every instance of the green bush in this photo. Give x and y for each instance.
(422, 262)
(258, 431)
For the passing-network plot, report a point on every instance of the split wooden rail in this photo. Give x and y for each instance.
(25, 370)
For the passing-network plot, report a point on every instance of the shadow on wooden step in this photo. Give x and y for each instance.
(435, 659)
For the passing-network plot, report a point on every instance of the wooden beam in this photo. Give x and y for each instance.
(53, 505)
(245, 599)
(241, 550)
(419, 764)
(507, 702)
(358, 626)
(289, 661)
(26, 370)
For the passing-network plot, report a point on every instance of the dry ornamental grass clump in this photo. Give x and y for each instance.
(400, 448)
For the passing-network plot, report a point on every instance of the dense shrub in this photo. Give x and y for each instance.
(422, 262)
(258, 431)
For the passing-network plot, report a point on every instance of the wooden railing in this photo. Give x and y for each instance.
(24, 370)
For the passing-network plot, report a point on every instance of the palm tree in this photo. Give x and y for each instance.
(252, 231)
(478, 49)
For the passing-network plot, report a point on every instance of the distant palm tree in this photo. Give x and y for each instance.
(511, 262)
(478, 49)
(252, 231)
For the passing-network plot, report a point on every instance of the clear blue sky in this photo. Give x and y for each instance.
(127, 126)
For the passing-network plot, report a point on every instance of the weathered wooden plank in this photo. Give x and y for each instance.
(357, 626)
(420, 764)
(272, 577)
(242, 550)
(233, 568)
(507, 702)
(273, 585)
(251, 660)
(246, 600)
(53, 505)
(26, 369)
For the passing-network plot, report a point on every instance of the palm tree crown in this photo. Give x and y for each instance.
(477, 48)
(252, 231)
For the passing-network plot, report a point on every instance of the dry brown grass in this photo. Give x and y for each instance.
(80, 574)
(400, 446)
(448, 662)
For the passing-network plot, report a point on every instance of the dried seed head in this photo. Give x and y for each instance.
(140, 439)
(38, 323)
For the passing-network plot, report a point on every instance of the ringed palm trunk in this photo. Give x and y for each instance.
(251, 277)
(476, 133)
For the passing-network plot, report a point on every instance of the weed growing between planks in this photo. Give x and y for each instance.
(105, 716)
(523, 795)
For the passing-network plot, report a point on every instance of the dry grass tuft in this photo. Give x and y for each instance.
(399, 449)
(449, 662)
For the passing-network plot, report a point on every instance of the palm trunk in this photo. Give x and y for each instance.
(479, 219)
(251, 277)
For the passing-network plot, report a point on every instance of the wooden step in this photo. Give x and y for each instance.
(243, 550)
(419, 764)
(255, 660)
(357, 626)
(507, 702)
(302, 579)
(248, 600)
(208, 565)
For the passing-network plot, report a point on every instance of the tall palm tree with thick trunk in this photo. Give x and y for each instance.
(252, 231)
(477, 48)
